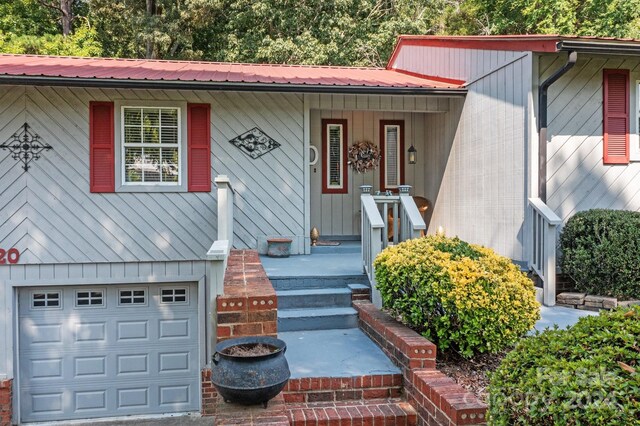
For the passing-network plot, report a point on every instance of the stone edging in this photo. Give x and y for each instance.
(437, 398)
(587, 302)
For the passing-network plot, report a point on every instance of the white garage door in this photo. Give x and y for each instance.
(108, 350)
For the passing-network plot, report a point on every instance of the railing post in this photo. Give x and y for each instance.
(404, 189)
(542, 260)
(225, 208)
(376, 248)
(214, 286)
(550, 265)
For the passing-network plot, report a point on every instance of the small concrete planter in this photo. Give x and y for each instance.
(278, 247)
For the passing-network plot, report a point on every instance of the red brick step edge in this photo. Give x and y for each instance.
(323, 389)
(372, 412)
(437, 398)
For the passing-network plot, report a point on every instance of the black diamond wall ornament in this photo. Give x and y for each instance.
(255, 143)
(25, 146)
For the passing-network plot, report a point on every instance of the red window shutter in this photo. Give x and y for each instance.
(199, 147)
(101, 147)
(616, 116)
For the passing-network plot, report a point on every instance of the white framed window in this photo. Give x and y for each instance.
(46, 299)
(334, 149)
(90, 298)
(151, 145)
(132, 297)
(174, 295)
(392, 141)
(634, 134)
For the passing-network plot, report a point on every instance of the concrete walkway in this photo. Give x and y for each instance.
(560, 316)
(341, 263)
(334, 353)
(176, 420)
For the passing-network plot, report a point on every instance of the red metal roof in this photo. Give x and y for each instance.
(104, 69)
(525, 42)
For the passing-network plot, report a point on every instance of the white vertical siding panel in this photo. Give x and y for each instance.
(481, 196)
(462, 64)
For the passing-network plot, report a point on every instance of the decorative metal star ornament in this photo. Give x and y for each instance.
(25, 146)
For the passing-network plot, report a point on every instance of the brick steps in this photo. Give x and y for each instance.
(332, 389)
(379, 412)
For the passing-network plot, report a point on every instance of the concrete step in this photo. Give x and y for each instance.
(344, 247)
(314, 298)
(298, 283)
(316, 319)
(379, 412)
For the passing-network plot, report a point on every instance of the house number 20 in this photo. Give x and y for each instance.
(11, 256)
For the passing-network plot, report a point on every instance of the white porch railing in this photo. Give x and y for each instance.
(217, 257)
(384, 218)
(542, 258)
(372, 227)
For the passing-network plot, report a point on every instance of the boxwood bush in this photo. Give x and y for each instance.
(586, 375)
(458, 295)
(601, 252)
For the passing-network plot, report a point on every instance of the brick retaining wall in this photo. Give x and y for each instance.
(209, 394)
(437, 398)
(6, 396)
(249, 306)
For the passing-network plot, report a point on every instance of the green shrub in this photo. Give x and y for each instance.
(458, 295)
(580, 376)
(601, 252)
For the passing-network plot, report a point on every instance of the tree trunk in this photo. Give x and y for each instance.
(67, 16)
(150, 13)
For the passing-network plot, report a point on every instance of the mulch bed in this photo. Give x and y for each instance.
(472, 374)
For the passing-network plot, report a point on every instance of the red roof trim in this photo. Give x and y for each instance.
(519, 42)
(451, 81)
(520, 45)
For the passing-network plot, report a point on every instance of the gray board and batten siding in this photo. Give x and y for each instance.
(482, 191)
(51, 217)
(577, 178)
(339, 214)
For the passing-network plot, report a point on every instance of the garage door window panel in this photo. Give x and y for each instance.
(132, 297)
(93, 298)
(178, 295)
(46, 300)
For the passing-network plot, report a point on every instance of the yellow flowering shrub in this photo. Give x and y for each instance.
(459, 295)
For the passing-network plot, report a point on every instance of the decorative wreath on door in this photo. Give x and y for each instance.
(364, 156)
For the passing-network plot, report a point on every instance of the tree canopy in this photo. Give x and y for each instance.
(329, 32)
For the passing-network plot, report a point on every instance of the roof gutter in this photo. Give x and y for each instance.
(604, 48)
(220, 86)
(542, 122)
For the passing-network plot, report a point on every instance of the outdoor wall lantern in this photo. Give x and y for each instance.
(25, 145)
(412, 154)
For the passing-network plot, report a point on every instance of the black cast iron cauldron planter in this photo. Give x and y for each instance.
(250, 380)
